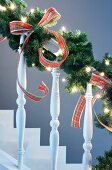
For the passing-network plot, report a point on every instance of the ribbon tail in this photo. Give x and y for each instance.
(78, 112)
(64, 48)
(42, 87)
(32, 96)
(96, 95)
(2, 39)
(50, 18)
(105, 126)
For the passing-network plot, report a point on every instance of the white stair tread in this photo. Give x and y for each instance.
(7, 118)
(43, 152)
(44, 164)
(73, 167)
(11, 148)
(36, 157)
(9, 163)
(39, 158)
(9, 142)
(31, 135)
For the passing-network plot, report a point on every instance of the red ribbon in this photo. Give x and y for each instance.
(2, 38)
(18, 28)
(97, 80)
(50, 17)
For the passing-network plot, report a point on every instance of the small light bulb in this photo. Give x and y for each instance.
(63, 80)
(32, 10)
(106, 110)
(98, 96)
(45, 10)
(59, 52)
(88, 69)
(43, 51)
(2, 8)
(102, 74)
(49, 69)
(12, 6)
(78, 32)
(63, 29)
(74, 89)
(107, 62)
(24, 19)
(33, 64)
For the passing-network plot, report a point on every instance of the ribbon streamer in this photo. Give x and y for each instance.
(97, 80)
(2, 38)
(105, 126)
(49, 19)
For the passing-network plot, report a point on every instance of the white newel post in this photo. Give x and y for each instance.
(21, 113)
(55, 111)
(88, 130)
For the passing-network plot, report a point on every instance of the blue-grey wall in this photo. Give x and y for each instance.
(91, 16)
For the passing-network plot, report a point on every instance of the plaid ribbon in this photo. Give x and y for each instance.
(105, 126)
(97, 80)
(49, 19)
(2, 38)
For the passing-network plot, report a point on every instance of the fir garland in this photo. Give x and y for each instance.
(80, 50)
(104, 162)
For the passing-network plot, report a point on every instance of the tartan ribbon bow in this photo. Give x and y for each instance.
(97, 80)
(49, 19)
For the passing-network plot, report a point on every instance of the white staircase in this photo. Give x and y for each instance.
(9, 163)
(36, 157)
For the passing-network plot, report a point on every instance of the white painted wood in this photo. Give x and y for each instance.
(88, 130)
(39, 159)
(7, 118)
(9, 163)
(21, 113)
(55, 111)
(36, 158)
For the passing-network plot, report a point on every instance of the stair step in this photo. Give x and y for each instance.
(8, 143)
(43, 152)
(40, 157)
(6, 118)
(73, 167)
(7, 127)
(31, 135)
(44, 164)
(11, 148)
(36, 157)
(9, 163)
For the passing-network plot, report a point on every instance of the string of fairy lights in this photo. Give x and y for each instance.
(88, 69)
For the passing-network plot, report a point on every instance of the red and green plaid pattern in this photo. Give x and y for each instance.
(96, 79)
(49, 19)
(78, 112)
(18, 27)
(100, 81)
(2, 38)
(42, 87)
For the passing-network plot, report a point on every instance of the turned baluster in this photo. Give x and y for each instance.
(88, 130)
